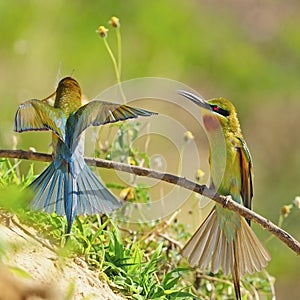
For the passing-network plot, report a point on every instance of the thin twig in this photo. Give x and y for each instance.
(169, 239)
(225, 201)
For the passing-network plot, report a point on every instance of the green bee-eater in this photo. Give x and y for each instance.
(225, 240)
(68, 186)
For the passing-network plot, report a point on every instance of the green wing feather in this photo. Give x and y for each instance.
(38, 115)
(246, 175)
(97, 113)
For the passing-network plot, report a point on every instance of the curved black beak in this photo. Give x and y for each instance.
(199, 101)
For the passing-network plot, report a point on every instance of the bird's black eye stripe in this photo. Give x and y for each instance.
(220, 110)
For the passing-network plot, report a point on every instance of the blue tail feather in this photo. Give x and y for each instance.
(94, 197)
(58, 191)
(59, 207)
(40, 184)
(71, 198)
(52, 189)
(41, 187)
(48, 187)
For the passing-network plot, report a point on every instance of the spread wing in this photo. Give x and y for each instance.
(97, 113)
(38, 115)
(246, 175)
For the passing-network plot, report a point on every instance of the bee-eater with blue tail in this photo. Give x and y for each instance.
(68, 186)
(225, 240)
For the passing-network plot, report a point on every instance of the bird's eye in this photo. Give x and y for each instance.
(220, 110)
(215, 108)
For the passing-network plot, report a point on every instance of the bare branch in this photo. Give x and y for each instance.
(171, 178)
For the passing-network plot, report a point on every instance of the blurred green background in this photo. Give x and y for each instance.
(247, 51)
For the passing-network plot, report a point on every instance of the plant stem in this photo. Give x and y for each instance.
(119, 45)
(116, 69)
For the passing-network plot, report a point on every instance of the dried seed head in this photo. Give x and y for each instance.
(115, 22)
(127, 194)
(188, 136)
(296, 201)
(285, 210)
(200, 173)
(102, 31)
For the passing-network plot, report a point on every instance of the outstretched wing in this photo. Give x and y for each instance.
(97, 113)
(246, 175)
(38, 115)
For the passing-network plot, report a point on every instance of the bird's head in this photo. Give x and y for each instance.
(217, 111)
(68, 85)
(69, 82)
(68, 95)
